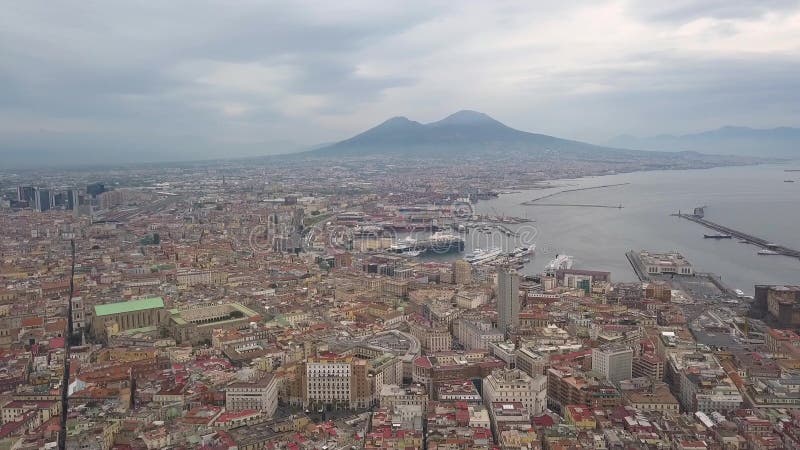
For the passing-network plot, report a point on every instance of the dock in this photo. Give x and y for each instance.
(636, 264)
(676, 280)
(741, 235)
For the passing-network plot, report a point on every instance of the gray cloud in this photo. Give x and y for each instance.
(182, 79)
(687, 10)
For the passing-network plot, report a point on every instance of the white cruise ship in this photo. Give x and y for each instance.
(405, 246)
(479, 256)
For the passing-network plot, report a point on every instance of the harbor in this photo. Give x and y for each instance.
(437, 243)
(674, 269)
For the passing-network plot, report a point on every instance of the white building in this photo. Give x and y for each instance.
(614, 363)
(328, 382)
(261, 395)
(530, 361)
(341, 382)
(672, 263)
(392, 394)
(476, 335)
(471, 299)
(434, 338)
(505, 351)
(515, 386)
(193, 277)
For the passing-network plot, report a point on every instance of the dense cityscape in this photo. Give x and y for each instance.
(400, 224)
(310, 305)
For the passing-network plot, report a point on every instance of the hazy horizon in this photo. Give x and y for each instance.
(178, 81)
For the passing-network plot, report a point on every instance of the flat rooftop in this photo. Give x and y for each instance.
(663, 259)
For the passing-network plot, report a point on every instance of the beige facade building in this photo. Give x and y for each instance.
(670, 263)
(434, 338)
(614, 362)
(530, 361)
(335, 382)
(261, 395)
(655, 397)
(392, 395)
(462, 272)
(476, 334)
(514, 385)
(196, 323)
(111, 318)
(194, 277)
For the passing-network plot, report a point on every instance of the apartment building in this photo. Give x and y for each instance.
(514, 385)
(261, 395)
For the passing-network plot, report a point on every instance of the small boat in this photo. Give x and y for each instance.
(739, 292)
(717, 236)
(788, 181)
(768, 252)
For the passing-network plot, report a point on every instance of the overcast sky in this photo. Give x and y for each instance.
(203, 78)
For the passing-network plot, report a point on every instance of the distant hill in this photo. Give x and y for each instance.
(465, 133)
(781, 142)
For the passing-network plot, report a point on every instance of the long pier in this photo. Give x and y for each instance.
(638, 269)
(581, 205)
(749, 238)
(532, 202)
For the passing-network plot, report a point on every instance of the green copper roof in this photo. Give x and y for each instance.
(131, 306)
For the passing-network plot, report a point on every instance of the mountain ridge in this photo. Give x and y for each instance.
(464, 132)
(780, 142)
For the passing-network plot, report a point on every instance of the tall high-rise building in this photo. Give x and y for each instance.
(507, 298)
(26, 194)
(73, 199)
(95, 189)
(42, 200)
(462, 272)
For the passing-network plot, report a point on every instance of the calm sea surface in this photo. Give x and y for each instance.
(752, 199)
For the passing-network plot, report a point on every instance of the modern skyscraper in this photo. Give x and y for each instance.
(72, 199)
(95, 189)
(507, 298)
(42, 200)
(27, 194)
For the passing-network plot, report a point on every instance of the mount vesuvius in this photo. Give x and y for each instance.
(466, 133)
